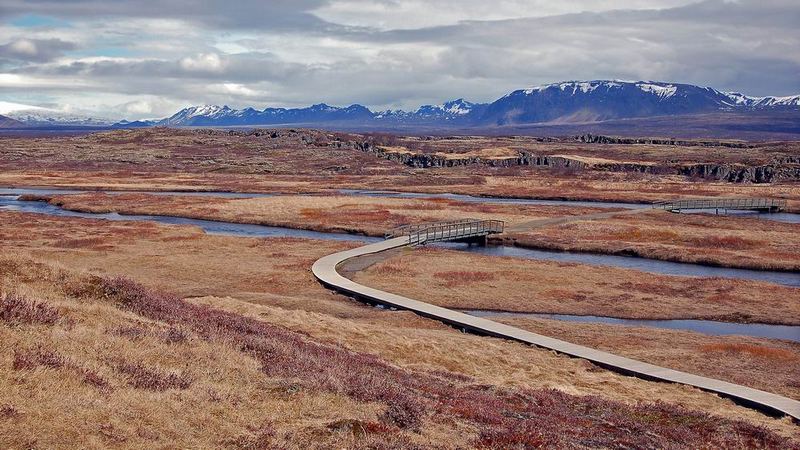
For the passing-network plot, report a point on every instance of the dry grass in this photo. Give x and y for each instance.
(512, 284)
(766, 364)
(752, 350)
(548, 287)
(460, 278)
(694, 238)
(313, 161)
(365, 215)
(224, 379)
(368, 402)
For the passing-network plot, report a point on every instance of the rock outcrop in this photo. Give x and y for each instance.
(787, 168)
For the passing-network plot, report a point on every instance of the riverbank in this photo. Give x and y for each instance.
(268, 281)
(731, 242)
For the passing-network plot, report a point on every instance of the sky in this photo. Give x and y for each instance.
(148, 58)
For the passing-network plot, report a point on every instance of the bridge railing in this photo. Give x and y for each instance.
(723, 203)
(447, 231)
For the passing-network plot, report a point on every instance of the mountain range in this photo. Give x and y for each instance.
(571, 102)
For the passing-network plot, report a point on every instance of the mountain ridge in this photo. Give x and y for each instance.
(566, 102)
(557, 103)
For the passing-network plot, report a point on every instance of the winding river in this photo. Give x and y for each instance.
(787, 332)
(9, 201)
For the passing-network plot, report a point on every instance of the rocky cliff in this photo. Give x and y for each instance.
(787, 168)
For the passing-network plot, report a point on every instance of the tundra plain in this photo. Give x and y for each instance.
(131, 334)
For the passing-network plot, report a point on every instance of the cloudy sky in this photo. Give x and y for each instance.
(149, 58)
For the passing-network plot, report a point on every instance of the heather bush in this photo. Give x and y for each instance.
(37, 357)
(152, 379)
(133, 333)
(505, 418)
(29, 359)
(8, 411)
(17, 309)
(175, 335)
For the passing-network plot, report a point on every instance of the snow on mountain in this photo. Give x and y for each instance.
(458, 110)
(458, 107)
(573, 86)
(38, 116)
(663, 91)
(739, 99)
(212, 115)
(792, 100)
(599, 100)
(564, 102)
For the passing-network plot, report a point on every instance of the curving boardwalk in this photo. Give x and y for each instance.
(325, 271)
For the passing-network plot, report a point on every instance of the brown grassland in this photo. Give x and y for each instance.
(313, 161)
(509, 284)
(258, 354)
(471, 281)
(135, 334)
(693, 238)
(360, 215)
(727, 241)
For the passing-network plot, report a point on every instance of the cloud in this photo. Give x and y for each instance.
(275, 14)
(35, 50)
(385, 53)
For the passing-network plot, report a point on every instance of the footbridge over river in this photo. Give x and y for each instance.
(743, 204)
(463, 230)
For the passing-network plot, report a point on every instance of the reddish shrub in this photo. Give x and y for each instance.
(89, 243)
(175, 335)
(134, 333)
(8, 411)
(93, 378)
(31, 359)
(142, 377)
(506, 418)
(40, 357)
(17, 309)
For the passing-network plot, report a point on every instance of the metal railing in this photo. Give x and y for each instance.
(447, 231)
(765, 204)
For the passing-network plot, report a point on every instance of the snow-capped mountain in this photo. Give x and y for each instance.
(35, 116)
(569, 102)
(454, 111)
(599, 100)
(740, 99)
(557, 103)
(211, 115)
(592, 101)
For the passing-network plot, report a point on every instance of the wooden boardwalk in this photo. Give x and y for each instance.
(745, 204)
(325, 271)
(456, 230)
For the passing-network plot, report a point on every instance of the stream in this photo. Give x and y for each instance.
(788, 332)
(9, 201)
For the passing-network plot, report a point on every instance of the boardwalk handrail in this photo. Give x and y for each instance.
(447, 231)
(765, 204)
(324, 269)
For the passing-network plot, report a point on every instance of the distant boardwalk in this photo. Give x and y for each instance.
(746, 204)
